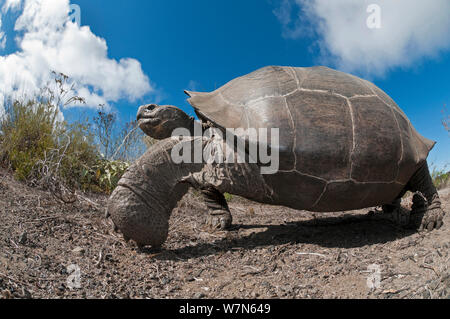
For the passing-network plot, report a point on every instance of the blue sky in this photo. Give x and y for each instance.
(202, 44)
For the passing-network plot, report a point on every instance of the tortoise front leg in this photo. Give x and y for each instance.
(219, 216)
(427, 213)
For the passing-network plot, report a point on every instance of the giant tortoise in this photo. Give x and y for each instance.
(343, 145)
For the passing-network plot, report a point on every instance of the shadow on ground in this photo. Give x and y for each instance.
(329, 232)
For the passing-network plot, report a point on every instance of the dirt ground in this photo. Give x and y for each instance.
(48, 249)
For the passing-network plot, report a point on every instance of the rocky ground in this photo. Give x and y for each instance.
(49, 248)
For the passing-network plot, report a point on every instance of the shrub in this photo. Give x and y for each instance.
(103, 176)
(42, 149)
(27, 134)
(118, 140)
(79, 153)
(228, 197)
(104, 128)
(129, 143)
(441, 179)
(46, 151)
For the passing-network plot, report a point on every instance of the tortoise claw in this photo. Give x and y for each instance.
(432, 219)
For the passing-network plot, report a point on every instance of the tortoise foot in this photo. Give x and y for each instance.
(219, 220)
(424, 217)
(428, 219)
(433, 219)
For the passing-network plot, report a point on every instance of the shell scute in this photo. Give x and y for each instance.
(322, 122)
(322, 78)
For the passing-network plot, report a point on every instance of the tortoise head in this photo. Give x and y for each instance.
(159, 121)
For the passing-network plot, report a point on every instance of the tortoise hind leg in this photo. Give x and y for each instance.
(426, 212)
(219, 217)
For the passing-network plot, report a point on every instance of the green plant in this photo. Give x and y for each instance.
(81, 153)
(103, 176)
(27, 134)
(39, 146)
(44, 150)
(441, 179)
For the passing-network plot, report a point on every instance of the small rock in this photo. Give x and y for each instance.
(79, 251)
(199, 295)
(428, 259)
(23, 238)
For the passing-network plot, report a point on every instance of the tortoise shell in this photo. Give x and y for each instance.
(340, 135)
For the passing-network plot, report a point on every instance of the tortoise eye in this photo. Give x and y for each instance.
(151, 107)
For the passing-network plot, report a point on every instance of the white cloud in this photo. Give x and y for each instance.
(48, 42)
(2, 36)
(410, 31)
(11, 5)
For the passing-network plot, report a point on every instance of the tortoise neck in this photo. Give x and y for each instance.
(142, 203)
(157, 179)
